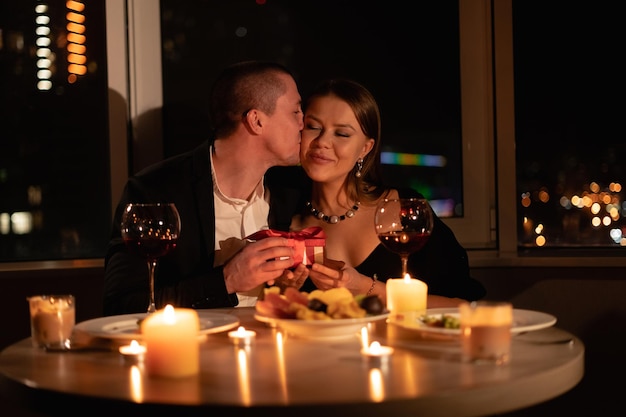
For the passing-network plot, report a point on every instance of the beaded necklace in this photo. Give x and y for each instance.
(332, 219)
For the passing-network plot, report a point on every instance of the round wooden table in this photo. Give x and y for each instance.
(284, 375)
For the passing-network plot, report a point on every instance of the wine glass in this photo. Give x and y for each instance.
(151, 231)
(404, 225)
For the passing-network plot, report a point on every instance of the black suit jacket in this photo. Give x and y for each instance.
(186, 277)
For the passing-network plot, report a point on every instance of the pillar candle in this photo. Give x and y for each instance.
(406, 298)
(172, 345)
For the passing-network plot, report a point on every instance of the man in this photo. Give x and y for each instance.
(223, 193)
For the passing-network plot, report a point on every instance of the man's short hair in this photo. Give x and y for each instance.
(242, 87)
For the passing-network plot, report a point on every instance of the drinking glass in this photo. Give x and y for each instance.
(52, 319)
(151, 230)
(404, 225)
(486, 331)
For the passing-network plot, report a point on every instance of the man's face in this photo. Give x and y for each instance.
(285, 126)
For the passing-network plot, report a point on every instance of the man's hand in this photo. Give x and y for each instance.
(258, 263)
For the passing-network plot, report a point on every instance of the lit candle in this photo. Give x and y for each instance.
(376, 354)
(171, 339)
(241, 336)
(133, 353)
(406, 298)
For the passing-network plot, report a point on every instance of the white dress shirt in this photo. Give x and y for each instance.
(235, 219)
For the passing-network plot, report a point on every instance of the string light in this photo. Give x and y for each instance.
(76, 40)
(45, 57)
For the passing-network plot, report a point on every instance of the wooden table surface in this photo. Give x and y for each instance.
(298, 376)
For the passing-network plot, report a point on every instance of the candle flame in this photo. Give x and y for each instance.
(375, 348)
(133, 349)
(407, 278)
(242, 335)
(169, 315)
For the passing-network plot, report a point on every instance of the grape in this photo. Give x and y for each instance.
(317, 305)
(372, 304)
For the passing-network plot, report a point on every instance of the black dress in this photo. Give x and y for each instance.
(442, 263)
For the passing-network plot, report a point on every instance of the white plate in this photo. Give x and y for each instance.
(321, 329)
(523, 321)
(126, 326)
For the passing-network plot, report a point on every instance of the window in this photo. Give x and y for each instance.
(569, 133)
(512, 76)
(412, 67)
(419, 98)
(54, 158)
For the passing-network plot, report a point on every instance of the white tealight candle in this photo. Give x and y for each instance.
(133, 353)
(241, 336)
(375, 353)
(172, 346)
(406, 298)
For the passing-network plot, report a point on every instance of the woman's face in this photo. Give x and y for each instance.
(332, 140)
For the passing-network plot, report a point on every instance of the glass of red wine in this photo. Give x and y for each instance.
(151, 231)
(404, 225)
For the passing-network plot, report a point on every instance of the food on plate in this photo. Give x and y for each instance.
(335, 303)
(446, 321)
(371, 303)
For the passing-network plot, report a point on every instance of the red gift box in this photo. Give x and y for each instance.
(308, 243)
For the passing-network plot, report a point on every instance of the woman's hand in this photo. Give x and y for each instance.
(292, 278)
(325, 277)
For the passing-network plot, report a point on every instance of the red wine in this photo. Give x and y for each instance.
(150, 248)
(404, 242)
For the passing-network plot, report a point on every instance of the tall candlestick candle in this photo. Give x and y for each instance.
(406, 298)
(172, 345)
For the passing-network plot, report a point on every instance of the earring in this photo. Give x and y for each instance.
(359, 167)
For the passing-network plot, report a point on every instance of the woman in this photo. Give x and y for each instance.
(340, 153)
